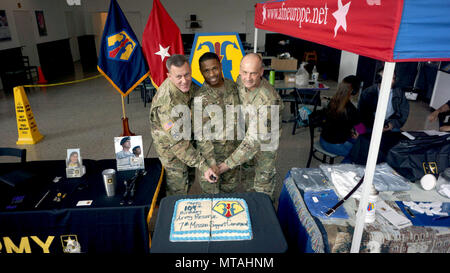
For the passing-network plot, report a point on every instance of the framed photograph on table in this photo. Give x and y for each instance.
(73, 159)
(74, 163)
(40, 20)
(129, 153)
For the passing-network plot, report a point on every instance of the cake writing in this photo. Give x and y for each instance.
(192, 212)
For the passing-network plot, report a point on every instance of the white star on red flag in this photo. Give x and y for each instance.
(163, 52)
(340, 16)
(161, 37)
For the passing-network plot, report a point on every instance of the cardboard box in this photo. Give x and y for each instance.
(284, 64)
(289, 77)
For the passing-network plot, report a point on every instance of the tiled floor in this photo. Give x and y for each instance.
(88, 115)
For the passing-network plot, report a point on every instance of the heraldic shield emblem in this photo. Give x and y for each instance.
(120, 46)
(228, 208)
(227, 45)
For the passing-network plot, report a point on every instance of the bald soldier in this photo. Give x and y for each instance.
(176, 152)
(260, 153)
(211, 101)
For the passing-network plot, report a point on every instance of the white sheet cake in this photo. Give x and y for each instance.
(216, 219)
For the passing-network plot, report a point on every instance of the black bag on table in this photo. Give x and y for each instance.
(360, 150)
(414, 158)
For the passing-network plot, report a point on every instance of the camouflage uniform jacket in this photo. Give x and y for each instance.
(161, 121)
(219, 144)
(263, 95)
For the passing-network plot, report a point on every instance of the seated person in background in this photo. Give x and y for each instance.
(443, 113)
(397, 110)
(341, 116)
(356, 85)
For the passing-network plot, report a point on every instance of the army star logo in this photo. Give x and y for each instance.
(70, 244)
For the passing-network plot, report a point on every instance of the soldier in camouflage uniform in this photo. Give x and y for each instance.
(175, 153)
(255, 91)
(217, 146)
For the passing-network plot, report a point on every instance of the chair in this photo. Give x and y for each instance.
(22, 153)
(32, 71)
(148, 91)
(306, 97)
(316, 119)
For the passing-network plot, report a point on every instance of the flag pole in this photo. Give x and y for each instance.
(126, 130)
(255, 43)
(123, 107)
(374, 147)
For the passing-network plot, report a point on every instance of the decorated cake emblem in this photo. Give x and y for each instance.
(228, 208)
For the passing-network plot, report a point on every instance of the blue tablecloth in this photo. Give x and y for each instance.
(300, 229)
(305, 233)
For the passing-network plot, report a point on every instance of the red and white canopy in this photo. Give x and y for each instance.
(387, 30)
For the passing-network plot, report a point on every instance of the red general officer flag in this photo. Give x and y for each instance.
(161, 39)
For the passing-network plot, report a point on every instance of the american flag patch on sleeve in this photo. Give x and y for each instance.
(168, 125)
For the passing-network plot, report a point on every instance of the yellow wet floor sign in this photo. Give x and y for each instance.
(26, 125)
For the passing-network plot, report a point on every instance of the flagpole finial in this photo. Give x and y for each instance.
(126, 130)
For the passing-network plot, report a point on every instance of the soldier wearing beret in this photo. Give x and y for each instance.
(259, 168)
(176, 153)
(220, 92)
(123, 157)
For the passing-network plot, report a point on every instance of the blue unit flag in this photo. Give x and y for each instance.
(121, 60)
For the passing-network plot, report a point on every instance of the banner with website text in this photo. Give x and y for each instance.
(355, 26)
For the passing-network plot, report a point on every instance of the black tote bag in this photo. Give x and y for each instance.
(414, 158)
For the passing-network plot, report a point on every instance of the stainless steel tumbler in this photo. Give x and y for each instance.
(109, 179)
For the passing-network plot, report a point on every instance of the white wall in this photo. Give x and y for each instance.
(55, 20)
(441, 90)
(348, 65)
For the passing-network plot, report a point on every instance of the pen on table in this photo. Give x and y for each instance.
(42, 199)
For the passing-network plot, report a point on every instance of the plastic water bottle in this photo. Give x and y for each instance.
(302, 76)
(371, 206)
(315, 75)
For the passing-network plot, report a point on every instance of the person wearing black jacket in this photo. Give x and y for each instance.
(338, 133)
(397, 110)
